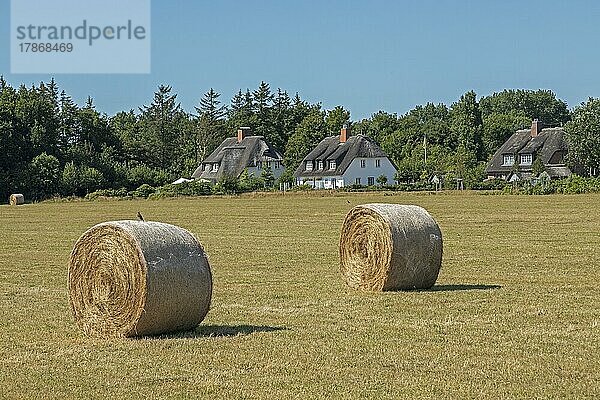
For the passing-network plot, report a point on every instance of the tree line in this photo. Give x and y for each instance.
(53, 146)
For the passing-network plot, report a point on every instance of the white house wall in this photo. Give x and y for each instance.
(354, 171)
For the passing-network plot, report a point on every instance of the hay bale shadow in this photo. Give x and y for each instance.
(204, 331)
(454, 288)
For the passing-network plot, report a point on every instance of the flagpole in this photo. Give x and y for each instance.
(425, 147)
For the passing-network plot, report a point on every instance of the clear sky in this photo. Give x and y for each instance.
(365, 55)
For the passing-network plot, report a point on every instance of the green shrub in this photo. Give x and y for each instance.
(144, 191)
(42, 177)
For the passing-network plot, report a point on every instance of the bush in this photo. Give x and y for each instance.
(121, 192)
(42, 177)
(228, 185)
(142, 174)
(144, 191)
(574, 184)
(80, 180)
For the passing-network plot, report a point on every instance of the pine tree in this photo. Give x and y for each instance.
(68, 130)
(282, 119)
(209, 126)
(240, 111)
(262, 100)
(161, 123)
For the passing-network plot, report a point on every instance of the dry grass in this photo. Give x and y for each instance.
(514, 313)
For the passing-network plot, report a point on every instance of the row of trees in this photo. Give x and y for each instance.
(53, 146)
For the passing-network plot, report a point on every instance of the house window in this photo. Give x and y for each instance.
(332, 164)
(277, 164)
(357, 181)
(377, 163)
(526, 159)
(508, 159)
(371, 180)
(363, 163)
(215, 167)
(309, 165)
(320, 164)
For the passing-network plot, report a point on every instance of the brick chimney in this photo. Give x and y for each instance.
(536, 127)
(243, 131)
(344, 133)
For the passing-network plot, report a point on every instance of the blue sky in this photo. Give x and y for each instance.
(366, 55)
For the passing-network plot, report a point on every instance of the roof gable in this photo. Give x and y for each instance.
(549, 145)
(233, 157)
(331, 149)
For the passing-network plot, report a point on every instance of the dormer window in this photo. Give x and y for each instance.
(320, 164)
(332, 164)
(508, 159)
(526, 159)
(309, 165)
(215, 167)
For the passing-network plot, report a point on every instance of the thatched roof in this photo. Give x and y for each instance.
(549, 145)
(233, 157)
(330, 149)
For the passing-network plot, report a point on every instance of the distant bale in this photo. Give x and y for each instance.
(16, 199)
(135, 278)
(390, 247)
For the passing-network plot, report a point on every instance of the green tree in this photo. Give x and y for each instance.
(267, 177)
(335, 119)
(466, 124)
(497, 128)
(283, 123)
(541, 104)
(308, 134)
(43, 176)
(582, 134)
(382, 180)
(162, 124)
(208, 126)
(537, 167)
(262, 100)
(378, 127)
(241, 111)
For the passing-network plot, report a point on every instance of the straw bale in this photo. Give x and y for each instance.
(16, 199)
(135, 278)
(390, 247)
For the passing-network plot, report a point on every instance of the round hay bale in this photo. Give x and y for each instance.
(16, 199)
(135, 278)
(390, 247)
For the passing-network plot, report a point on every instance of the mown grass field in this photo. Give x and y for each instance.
(515, 312)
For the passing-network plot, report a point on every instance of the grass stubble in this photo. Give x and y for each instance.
(514, 312)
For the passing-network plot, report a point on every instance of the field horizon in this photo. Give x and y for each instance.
(514, 312)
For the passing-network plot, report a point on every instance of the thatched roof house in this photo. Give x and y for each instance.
(524, 146)
(344, 160)
(236, 154)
